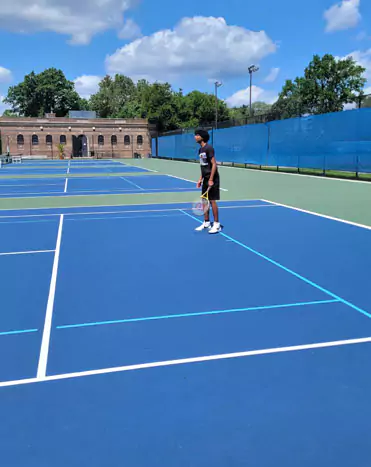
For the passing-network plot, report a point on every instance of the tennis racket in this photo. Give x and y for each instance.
(202, 205)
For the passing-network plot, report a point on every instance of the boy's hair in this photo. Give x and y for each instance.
(204, 135)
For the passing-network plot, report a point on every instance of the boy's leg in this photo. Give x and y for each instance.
(214, 196)
(215, 209)
(206, 224)
(207, 215)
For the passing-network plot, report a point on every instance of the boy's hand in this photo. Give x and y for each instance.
(199, 184)
(211, 183)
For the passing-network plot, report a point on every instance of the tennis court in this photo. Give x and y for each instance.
(31, 187)
(77, 178)
(61, 167)
(130, 339)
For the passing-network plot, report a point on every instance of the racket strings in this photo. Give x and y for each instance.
(202, 205)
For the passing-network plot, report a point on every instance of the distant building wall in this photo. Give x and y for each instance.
(120, 138)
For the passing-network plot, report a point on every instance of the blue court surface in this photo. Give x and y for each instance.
(37, 187)
(129, 339)
(61, 170)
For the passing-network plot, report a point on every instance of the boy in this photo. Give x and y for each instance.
(209, 178)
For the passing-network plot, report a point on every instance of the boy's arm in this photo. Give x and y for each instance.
(213, 167)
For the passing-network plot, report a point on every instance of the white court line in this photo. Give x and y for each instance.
(44, 350)
(132, 183)
(130, 211)
(192, 181)
(337, 219)
(31, 252)
(184, 361)
(319, 177)
(68, 168)
(65, 186)
(138, 167)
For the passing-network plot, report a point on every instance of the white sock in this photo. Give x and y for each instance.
(207, 223)
(217, 224)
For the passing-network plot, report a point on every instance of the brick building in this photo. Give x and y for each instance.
(81, 137)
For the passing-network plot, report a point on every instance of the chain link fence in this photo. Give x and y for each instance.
(258, 117)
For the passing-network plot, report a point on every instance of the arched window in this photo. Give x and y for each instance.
(101, 140)
(139, 140)
(127, 140)
(49, 140)
(20, 140)
(62, 139)
(114, 140)
(35, 140)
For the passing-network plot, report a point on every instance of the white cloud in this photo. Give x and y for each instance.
(364, 59)
(130, 30)
(86, 85)
(350, 106)
(258, 94)
(5, 75)
(343, 15)
(272, 75)
(204, 46)
(79, 20)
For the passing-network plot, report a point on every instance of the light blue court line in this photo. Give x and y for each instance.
(132, 183)
(290, 271)
(201, 313)
(12, 333)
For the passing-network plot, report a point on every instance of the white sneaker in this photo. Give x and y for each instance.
(216, 228)
(203, 226)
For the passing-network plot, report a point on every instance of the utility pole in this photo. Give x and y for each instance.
(217, 85)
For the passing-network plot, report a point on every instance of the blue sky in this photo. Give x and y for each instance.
(190, 44)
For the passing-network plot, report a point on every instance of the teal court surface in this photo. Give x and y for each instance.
(127, 338)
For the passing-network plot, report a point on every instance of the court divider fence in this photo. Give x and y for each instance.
(338, 141)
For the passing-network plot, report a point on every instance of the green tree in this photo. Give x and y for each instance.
(49, 91)
(84, 104)
(9, 113)
(366, 102)
(200, 109)
(115, 95)
(327, 84)
(243, 112)
(290, 102)
(158, 102)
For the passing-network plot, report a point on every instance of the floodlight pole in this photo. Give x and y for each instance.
(217, 85)
(252, 69)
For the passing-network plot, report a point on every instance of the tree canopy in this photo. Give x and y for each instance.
(48, 91)
(326, 86)
(120, 97)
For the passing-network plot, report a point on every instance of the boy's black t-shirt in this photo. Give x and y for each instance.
(206, 154)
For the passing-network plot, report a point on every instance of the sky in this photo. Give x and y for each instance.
(190, 44)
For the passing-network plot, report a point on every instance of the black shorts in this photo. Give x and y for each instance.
(214, 193)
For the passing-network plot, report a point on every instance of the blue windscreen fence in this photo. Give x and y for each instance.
(338, 141)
